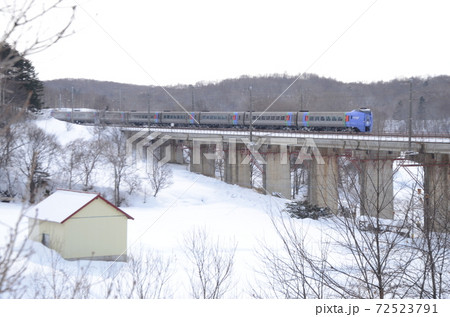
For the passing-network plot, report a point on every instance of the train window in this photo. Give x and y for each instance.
(333, 119)
(322, 118)
(328, 119)
(340, 119)
(272, 118)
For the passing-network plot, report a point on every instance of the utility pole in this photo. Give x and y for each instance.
(148, 115)
(251, 114)
(193, 100)
(410, 117)
(71, 101)
(120, 98)
(301, 101)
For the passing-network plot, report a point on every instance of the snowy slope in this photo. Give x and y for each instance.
(233, 215)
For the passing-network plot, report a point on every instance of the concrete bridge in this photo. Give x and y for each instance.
(371, 158)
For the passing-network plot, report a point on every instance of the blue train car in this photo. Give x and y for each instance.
(360, 120)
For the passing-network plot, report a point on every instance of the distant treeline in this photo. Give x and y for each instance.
(388, 100)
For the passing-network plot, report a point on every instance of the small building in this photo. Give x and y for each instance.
(80, 225)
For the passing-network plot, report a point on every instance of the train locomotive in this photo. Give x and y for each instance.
(359, 120)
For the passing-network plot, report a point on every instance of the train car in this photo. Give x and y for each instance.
(360, 120)
(322, 121)
(221, 119)
(173, 118)
(61, 115)
(144, 118)
(114, 117)
(84, 116)
(355, 120)
(272, 119)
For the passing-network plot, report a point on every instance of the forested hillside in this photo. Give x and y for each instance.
(389, 100)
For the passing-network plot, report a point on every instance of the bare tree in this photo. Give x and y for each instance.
(14, 256)
(61, 280)
(159, 176)
(116, 155)
(70, 160)
(9, 146)
(23, 25)
(19, 24)
(213, 265)
(289, 270)
(146, 276)
(429, 277)
(365, 255)
(22, 20)
(133, 181)
(37, 153)
(90, 155)
(369, 230)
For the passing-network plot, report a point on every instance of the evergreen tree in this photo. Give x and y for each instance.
(20, 85)
(398, 112)
(421, 110)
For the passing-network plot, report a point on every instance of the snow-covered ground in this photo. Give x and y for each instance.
(231, 215)
(234, 215)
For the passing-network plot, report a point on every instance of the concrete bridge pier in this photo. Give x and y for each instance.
(199, 163)
(323, 180)
(235, 171)
(277, 170)
(376, 184)
(436, 192)
(176, 151)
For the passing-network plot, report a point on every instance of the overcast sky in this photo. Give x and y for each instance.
(168, 42)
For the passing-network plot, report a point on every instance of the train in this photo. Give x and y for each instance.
(358, 120)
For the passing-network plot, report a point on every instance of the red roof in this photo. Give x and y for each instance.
(50, 208)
